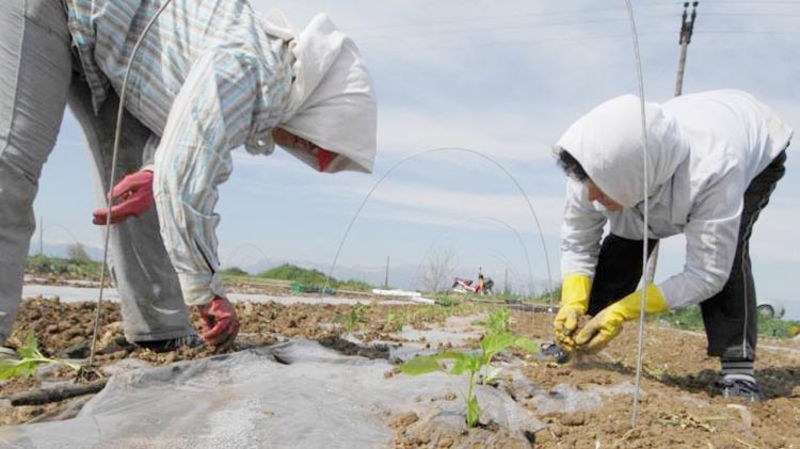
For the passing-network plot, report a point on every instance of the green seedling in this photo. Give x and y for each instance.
(475, 364)
(30, 358)
(497, 321)
(394, 321)
(357, 315)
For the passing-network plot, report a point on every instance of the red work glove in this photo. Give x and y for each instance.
(136, 194)
(220, 324)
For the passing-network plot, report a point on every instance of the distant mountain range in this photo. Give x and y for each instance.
(405, 276)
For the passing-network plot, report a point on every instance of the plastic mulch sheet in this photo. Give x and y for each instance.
(295, 395)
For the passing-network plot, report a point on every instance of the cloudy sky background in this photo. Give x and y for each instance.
(503, 79)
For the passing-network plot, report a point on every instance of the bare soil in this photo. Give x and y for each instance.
(679, 406)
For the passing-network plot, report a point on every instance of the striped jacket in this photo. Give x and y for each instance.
(206, 79)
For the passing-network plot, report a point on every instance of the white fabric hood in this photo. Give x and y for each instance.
(331, 102)
(607, 141)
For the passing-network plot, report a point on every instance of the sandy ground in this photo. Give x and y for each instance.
(586, 403)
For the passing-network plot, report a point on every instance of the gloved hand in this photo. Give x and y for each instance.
(220, 324)
(599, 331)
(136, 192)
(574, 302)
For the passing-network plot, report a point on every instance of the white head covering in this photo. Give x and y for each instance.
(331, 102)
(607, 142)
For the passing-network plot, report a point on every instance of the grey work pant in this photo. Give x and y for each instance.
(36, 83)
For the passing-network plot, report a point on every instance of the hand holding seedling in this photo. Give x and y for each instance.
(136, 194)
(607, 324)
(574, 303)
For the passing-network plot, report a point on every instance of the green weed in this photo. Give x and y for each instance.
(30, 358)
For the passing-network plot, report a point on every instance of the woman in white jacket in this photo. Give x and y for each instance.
(713, 160)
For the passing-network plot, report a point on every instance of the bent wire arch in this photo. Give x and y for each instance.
(440, 150)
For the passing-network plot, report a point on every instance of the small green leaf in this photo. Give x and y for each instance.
(492, 344)
(528, 345)
(474, 363)
(30, 350)
(451, 355)
(460, 367)
(13, 368)
(420, 365)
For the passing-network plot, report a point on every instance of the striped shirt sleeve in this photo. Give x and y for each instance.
(211, 115)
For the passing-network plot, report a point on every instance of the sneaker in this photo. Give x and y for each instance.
(171, 344)
(7, 353)
(740, 388)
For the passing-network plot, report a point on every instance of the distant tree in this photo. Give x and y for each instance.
(438, 269)
(235, 271)
(289, 272)
(77, 253)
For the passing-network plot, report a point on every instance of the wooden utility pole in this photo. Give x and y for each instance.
(687, 26)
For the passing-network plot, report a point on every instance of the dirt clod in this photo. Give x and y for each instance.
(405, 419)
(573, 419)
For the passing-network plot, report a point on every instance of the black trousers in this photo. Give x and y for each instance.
(729, 316)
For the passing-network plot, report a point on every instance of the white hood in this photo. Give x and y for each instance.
(331, 102)
(607, 142)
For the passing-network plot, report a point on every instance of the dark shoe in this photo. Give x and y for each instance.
(171, 344)
(7, 353)
(740, 388)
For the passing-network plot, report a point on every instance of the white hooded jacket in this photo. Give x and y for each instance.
(703, 151)
(331, 102)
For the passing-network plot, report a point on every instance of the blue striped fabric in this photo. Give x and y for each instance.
(206, 79)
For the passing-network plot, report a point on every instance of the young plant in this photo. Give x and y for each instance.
(30, 358)
(475, 364)
(497, 321)
(462, 363)
(358, 314)
(394, 321)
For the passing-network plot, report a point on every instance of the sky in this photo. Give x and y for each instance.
(471, 97)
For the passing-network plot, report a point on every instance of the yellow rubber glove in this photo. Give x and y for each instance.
(574, 302)
(608, 323)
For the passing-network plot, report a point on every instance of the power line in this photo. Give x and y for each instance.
(484, 19)
(522, 26)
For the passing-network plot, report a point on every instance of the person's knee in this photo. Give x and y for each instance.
(19, 167)
(18, 188)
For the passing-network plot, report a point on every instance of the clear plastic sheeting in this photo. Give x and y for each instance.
(294, 395)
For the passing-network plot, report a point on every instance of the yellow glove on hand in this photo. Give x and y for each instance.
(574, 302)
(608, 323)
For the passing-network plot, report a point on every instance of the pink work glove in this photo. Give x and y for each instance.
(220, 324)
(136, 194)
